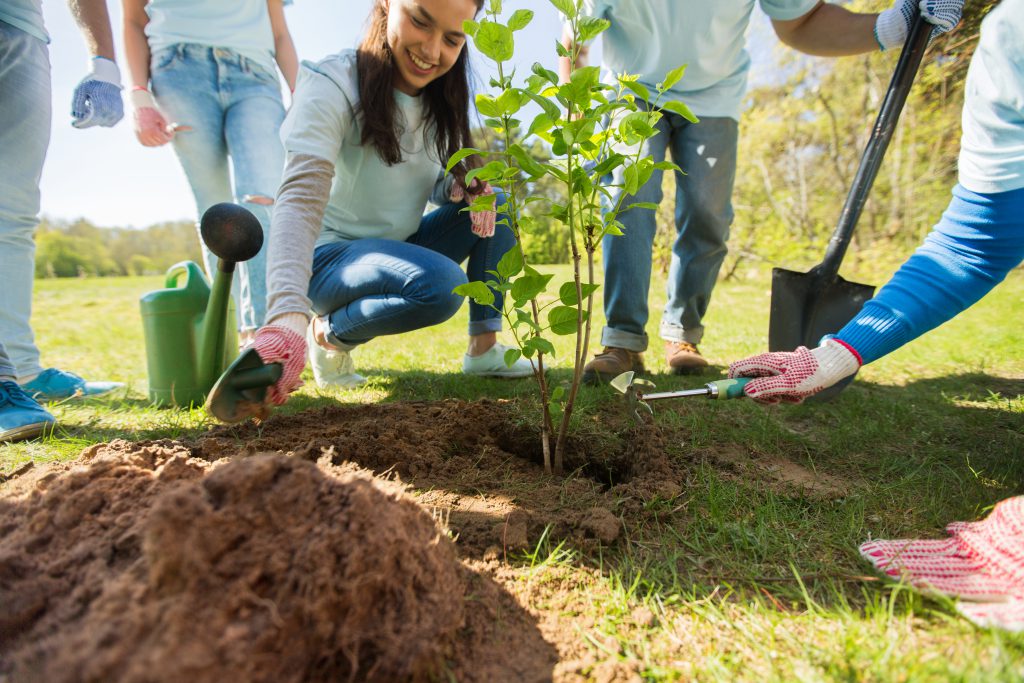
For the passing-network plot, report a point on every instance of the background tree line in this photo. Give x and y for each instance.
(801, 138)
(78, 248)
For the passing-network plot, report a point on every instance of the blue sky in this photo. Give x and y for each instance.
(107, 177)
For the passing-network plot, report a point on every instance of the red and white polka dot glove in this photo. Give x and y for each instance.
(792, 376)
(481, 222)
(279, 344)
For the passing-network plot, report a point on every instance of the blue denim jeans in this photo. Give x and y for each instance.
(706, 152)
(24, 137)
(234, 107)
(7, 372)
(373, 287)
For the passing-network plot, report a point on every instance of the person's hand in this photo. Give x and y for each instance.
(792, 376)
(151, 128)
(893, 25)
(481, 222)
(281, 344)
(97, 97)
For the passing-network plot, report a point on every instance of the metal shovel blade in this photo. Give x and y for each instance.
(804, 310)
(239, 393)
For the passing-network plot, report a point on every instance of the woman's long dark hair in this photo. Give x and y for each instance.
(445, 100)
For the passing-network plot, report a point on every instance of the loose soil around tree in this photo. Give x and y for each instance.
(381, 542)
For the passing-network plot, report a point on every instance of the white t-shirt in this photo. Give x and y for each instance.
(992, 146)
(368, 198)
(649, 38)
(239, 25)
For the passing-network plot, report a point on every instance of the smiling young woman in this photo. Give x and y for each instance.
(366, 140)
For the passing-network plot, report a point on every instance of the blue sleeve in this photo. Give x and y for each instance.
(979, 239)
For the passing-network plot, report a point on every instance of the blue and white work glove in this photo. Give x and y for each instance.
(893, 25)
(97, 97)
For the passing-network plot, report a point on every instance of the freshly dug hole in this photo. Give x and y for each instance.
(260, 569)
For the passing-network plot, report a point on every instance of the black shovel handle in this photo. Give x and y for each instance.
(881, 134)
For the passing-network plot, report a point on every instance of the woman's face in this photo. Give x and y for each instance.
(425, 37)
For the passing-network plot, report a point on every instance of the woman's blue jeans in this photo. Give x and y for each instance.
(373, 287)
(235, 110)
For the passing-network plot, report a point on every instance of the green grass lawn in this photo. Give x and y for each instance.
(743, 581)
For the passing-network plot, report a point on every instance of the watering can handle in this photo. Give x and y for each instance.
(174, 273)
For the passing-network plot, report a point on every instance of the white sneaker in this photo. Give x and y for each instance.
(331, 368)
(491, 363)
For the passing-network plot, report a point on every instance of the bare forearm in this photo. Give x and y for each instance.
(136, 54)
(287, 59)
(94, 22)
(565, 64)
(829, 31)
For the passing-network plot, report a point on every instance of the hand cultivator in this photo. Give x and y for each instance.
(638, 391)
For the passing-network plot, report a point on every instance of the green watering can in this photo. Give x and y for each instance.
(189, 342)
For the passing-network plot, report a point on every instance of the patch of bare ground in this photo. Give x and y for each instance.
(345, 543)
(780, 474)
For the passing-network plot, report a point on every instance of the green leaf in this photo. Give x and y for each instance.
(520, 19)
(477, 291)
(558, 393)
(470, 27)
(487, 105)
(524, 318)
(510, 101)
(459, 156)
(495, 41)
(496, 6)
(566, 7)
(639, 88)
(562, 50)
(549, 107)
(678, 107)
(631, 179)
(643, 205)
(563, 319)
(511, 356)
(528, 287)
(567, 292)
(538, 344)
(666, 166)
(609, 164)
(511, 264)
(547, 74)
(591, 27)
(672, 77)
(532, 167)
(542, 123)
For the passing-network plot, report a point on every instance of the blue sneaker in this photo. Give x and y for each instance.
(20, 416)
(56, 385)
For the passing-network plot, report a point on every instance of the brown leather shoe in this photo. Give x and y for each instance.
(611, 363)
(683, 358)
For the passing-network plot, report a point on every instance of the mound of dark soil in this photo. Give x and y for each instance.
(145, 564)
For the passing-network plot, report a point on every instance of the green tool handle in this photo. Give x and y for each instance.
(728, 388)
(257, 377)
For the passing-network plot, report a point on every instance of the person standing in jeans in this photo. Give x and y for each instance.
(25, 113)
(649, 39)
(216, 97)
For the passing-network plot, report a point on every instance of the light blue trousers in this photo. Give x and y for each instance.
(24, 137)
(706, 152)
(235, 110)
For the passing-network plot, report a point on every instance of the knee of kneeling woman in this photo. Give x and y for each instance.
(438, 296)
